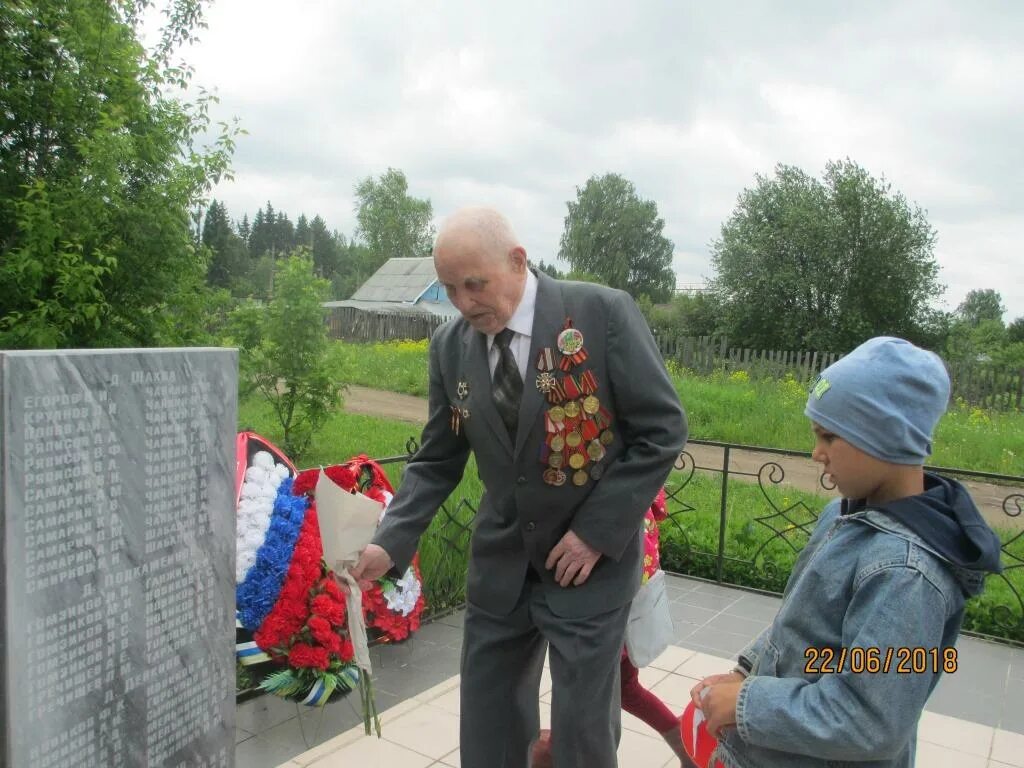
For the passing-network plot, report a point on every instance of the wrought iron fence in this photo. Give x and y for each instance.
(735, 519)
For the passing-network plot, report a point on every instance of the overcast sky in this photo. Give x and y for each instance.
(516, 104)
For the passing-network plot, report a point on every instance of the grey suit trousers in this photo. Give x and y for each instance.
(502, 662)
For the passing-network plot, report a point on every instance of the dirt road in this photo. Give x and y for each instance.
(801, 473)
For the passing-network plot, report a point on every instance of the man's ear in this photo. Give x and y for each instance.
(517, 256)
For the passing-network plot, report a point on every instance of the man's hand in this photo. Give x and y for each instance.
(373, 563)
(573, 560)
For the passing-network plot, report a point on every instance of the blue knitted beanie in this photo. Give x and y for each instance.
(885, 398)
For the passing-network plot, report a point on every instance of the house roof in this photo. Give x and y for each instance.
(398, 307)
(398, 280)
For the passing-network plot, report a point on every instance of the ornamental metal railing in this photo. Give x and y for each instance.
(739, 515)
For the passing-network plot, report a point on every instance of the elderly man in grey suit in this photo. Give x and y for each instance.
(560, 392)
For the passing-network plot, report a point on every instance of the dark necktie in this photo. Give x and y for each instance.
(507, 385)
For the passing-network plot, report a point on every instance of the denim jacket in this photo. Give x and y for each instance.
(865, 580)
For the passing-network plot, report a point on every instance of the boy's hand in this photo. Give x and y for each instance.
(720, 706)
(707, 682)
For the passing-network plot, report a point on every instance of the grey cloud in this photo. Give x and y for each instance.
(518, 104)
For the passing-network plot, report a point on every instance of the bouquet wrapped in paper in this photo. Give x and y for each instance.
(295, 614)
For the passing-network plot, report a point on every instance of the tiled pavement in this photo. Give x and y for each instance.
(975, 718)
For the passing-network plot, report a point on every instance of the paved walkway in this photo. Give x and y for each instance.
(974, 719)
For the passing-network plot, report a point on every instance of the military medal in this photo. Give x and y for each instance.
(557, 414)
(588, 383)
(545, 382)
(456, 419)
(554, 477)
(607, 437)
(462, 390)
(596, 471)
(557, 442)
(571, 409)
(556, 394)
(595, 450)
(591, 404)
(573, 439)
(570, 341)
(546, 360)
(579, 477)
(577, 460)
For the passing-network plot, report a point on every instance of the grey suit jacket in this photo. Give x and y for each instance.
(521, 518)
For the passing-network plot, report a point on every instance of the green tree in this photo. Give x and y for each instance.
(1015, 330)
(613, 234)
(686, 315)
(981, 305)
(392, 223)
(285, 352)
(326, 248)
(260, 237)
(303, 237)
(356, 264)
(99, 171)
(809, 264)
(580, 276)
(550, 270)
(229, 259)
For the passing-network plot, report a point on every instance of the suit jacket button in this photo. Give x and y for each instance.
(531, 525)
(521, 480)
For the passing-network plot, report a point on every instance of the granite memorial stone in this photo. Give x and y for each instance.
(117, 527)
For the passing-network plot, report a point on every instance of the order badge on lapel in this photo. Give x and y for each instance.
(459, 414)
(570, 341)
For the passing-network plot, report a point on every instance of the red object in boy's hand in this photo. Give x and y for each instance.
(699, 744)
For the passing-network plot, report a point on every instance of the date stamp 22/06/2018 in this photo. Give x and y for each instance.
(872, 660)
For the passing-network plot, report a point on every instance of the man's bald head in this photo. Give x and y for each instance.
(484, 229)
(482, 266)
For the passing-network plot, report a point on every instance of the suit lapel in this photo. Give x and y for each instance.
(548, 316)
(478, 375)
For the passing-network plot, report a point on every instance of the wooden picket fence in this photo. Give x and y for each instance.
(352, 324)
(981, 384)
(705, 354)
(988, 386)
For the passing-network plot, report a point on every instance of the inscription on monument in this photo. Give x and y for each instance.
(118, 535)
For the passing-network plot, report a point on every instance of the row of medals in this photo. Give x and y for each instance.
(556, 473)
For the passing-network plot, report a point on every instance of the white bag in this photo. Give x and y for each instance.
(649, 627)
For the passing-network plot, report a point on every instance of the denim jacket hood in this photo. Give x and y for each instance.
(873, 579)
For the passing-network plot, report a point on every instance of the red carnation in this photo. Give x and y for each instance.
(321, 629)
(347, 651)
(343, 475)
(329, 608)
(333, 589)
(305, 482)
(302, 655)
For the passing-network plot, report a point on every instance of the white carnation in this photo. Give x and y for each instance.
(263, 460)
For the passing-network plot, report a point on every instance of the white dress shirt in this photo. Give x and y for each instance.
(521, 323)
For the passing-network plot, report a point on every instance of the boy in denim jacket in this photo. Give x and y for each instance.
(875, 601)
